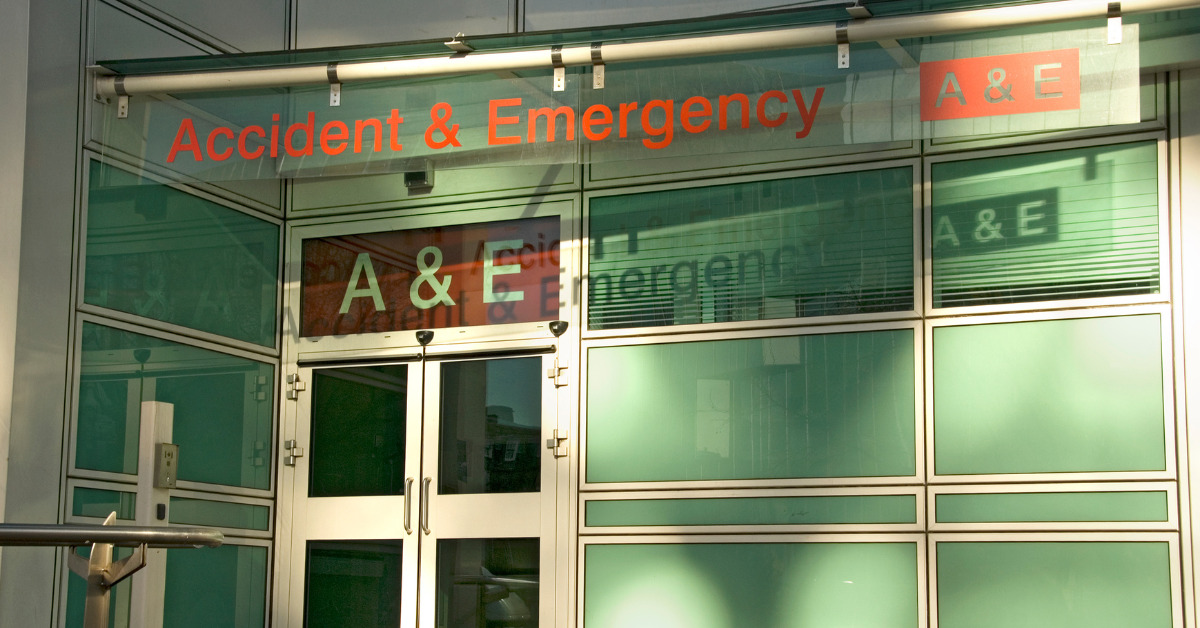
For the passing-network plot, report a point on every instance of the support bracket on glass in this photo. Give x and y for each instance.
(843, 44)
(558, 373)
(122, 98)
(1114, 23)
(597, 67)
(293, 452)
(560, 69)
(335, 85)
(558, 443)
(459, 44)
(294, 386)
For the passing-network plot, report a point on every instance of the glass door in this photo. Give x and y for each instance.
(426, 496)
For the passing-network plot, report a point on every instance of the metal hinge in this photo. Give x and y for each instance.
(558, 443)
(558, 373)
(294, 386)
(293, 452)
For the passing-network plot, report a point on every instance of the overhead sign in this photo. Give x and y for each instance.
(483, 274)
(785, 102)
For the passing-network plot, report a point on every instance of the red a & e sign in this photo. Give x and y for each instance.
(483, 274)
(1000, 85)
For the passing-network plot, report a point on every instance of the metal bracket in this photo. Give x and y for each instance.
(1114, 23)
(843, 44)
(558, 443)
(459, 44)
(558, 373)
(294, 386)
(293, 452)
(335, 85)
(122, 98)
(597, 67)
(560, 70)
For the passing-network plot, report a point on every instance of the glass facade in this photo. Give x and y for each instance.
(893, 383)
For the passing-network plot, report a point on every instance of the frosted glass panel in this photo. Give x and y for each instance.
(829, 405)
(1049, 396)
(764, 585)
(824, 509)
(1053, 585)
(95, 502)
(1107, 506)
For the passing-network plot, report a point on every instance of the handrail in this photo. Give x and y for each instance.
(28, 534)
(99, 569)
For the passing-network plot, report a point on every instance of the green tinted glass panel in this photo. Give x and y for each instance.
(358, 431)
(95, 502)
(216, 586)
(766, 585)
(829, 405)
(204, 512)
(222, 407)
(118, 610)
(832, 509)
(1059, 585)
(1049, 396)
(1046, 226)
(155, 251)
(831, 244)
(1107, 506)
(353, 584)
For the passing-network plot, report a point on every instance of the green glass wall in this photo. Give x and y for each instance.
(158, 252)
(818, 406)
(753, 511)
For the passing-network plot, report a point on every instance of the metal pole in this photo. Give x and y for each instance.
(858, 30)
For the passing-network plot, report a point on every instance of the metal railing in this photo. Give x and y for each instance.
(99, 569)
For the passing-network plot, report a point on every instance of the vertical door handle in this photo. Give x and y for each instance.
(425, 504)
(408, 484)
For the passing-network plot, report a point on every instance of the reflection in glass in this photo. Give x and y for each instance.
(222, 407)
(358, 431)
(1045, 226)
(487, 583)
(491, 426)
(353, 584)
(155, 251)
(811, 246)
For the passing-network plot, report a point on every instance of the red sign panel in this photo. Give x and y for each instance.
(499, 272)
(1000, 85)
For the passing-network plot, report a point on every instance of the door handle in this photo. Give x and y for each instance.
(425, 504)
(408, 484)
